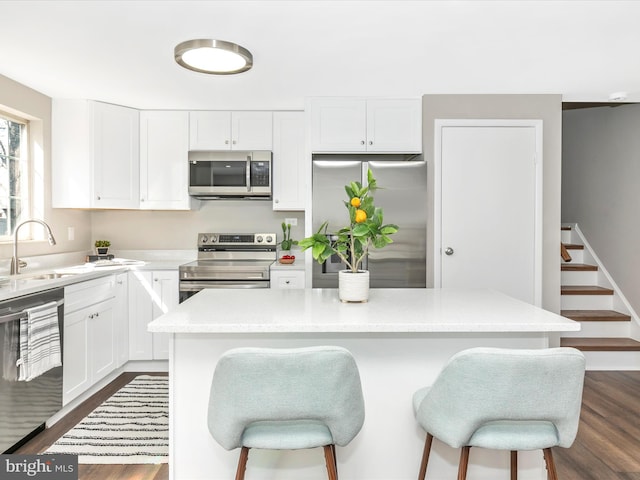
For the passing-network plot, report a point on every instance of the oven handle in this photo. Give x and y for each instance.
(197, 286)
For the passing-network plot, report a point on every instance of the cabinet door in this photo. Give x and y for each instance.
(116, 159)
(166, 297)
(71, 133)
(140, 314)
(289, 161)
(102, 335)
(164, 169)
(75, 372)
(252, 130)
(209, 130)
(121, 312)
(338, 125)
(394, 125)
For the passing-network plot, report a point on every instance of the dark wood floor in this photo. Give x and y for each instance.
(607, 446)
(608, 443)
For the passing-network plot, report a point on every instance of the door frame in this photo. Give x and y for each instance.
(439, 124)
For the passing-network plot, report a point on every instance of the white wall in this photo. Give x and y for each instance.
(16, 97)
(545, 107)
(601, 187)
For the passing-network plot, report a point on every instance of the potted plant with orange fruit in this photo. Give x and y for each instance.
(353, 242)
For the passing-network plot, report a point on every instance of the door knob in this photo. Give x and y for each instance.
(448, 251)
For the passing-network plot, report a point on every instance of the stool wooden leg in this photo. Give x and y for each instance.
(425, 456)
(242, 463)
(464, 461)
(514, 465)
(551, 466)
(330, 460)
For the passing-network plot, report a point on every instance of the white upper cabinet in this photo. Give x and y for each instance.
(164, 169)
(218, 130)
(288, 161)
(365, 125)
(95, 155)
(394, 125)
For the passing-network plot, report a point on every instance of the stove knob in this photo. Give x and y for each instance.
(269, 239)
(214, 238)
(259, 238)
(204, 239)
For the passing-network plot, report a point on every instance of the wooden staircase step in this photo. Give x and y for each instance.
(596, 315)
(565, 228)
(601, 344)
(578, 267)
(573, 246)
(584, 290)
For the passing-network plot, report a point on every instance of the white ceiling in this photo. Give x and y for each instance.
(122, 51)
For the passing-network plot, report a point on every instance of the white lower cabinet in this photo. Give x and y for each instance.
(89, 335)
(151, 293)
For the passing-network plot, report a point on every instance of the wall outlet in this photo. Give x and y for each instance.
(292, 221)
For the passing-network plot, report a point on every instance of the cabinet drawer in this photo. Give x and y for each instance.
(83, 294)
(287, 280)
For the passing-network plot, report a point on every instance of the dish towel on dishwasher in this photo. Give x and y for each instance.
(39, 341)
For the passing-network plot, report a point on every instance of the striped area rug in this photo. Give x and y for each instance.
(132, 426)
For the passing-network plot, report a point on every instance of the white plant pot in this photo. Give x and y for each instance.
(353, 287)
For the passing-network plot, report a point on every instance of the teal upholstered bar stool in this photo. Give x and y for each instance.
(286, 399)
(503, 399)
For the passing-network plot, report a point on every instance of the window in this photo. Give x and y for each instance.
(14, 172)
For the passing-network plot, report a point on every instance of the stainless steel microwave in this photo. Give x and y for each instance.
(230, 174)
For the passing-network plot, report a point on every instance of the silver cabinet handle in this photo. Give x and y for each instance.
(362, 142)
(226, 142)
(448, 251)
(370, 142)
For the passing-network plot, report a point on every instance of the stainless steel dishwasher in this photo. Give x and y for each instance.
(26, 406)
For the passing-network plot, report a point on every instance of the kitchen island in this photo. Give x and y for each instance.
(400, 339)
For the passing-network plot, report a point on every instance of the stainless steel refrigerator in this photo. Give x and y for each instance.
(402, 195)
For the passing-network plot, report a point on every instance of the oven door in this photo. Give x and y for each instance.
(190, 288)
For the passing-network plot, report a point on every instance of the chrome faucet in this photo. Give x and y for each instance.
(15, 261)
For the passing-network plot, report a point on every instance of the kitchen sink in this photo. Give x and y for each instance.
(49, 276)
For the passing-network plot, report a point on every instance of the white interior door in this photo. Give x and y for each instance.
(490, 205)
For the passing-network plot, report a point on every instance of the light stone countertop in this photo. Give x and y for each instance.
(27, 282)
(388, 310)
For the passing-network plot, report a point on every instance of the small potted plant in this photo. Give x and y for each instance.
(353, 242)
(286, 244)
(102, 246)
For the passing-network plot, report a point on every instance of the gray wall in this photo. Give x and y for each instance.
(169, 230)
(548, 108)
(21, 100)
(601, 185)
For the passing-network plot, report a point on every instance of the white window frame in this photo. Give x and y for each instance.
(26, 162)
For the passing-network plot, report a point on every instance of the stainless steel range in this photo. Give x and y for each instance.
(229, 260)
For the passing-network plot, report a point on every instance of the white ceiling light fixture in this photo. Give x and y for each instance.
(215, 57)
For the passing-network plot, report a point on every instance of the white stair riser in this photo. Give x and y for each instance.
(612, 360)
(601, 329)
(577, 256)
(586, 302)
(579, 278)
(566, 236)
